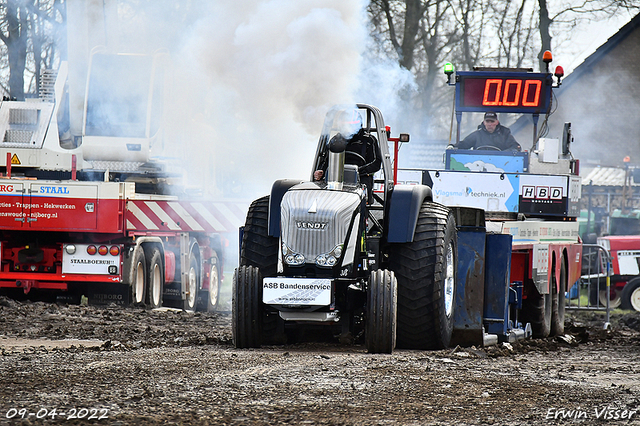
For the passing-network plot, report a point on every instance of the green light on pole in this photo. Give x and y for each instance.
(448, 70)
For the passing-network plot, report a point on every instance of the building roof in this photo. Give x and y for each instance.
(607, 176)
(585, 68)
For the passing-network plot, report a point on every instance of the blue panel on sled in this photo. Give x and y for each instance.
(496, 288)
(467, 326)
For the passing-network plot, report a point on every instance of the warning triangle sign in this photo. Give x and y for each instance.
(15, 159)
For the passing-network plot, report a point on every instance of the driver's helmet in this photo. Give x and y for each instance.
(348, 122)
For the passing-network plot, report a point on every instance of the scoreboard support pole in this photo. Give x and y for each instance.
(535, 118)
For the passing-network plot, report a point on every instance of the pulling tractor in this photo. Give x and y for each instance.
(324, 253)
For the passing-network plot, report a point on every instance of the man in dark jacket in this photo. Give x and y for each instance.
(490, 134)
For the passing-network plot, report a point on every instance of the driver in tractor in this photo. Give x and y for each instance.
(490, 135)
(362, 149)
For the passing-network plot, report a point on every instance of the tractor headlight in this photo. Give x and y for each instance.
(291, 258)
(331, 258)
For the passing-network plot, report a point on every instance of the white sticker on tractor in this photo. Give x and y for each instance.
(296, 291)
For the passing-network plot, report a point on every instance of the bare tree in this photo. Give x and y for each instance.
(568, 17)
(424, 34)
(30, 31)
(14, 34)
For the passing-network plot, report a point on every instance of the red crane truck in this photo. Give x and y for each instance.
(87, 206)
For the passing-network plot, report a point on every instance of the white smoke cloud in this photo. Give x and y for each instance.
(383, 83)
(253, 80)
(255, 83)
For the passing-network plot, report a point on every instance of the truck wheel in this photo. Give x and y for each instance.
(258, 248)
(138, 278)
(381, 312)
(537, 310)
(193, 280)
(214, 285)
(426, 274)
(207, 300)
(246, 315)
(631, 295)
(558, 302)
(155, 272)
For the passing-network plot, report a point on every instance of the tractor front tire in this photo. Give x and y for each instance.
(426, 274)
(381, 312)
(246, 316)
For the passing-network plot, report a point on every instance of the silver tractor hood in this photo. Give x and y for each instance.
(315, 224)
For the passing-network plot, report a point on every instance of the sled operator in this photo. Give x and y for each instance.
(490, 135)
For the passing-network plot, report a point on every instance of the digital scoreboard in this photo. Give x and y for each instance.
(516, 92)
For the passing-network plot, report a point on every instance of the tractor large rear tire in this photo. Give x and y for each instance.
(558, 302)
(425, 270)
(246, 317)
(381, 312)
(258, 248)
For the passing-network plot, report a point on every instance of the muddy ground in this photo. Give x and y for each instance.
(135, 366)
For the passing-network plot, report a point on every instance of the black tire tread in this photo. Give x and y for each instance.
(380, 331)
(418, 266)
(261, 251)
(258, 248)
(246, 313)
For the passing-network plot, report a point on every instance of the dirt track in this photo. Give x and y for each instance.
(152, 367)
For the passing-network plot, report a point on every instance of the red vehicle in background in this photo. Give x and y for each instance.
(625, 267)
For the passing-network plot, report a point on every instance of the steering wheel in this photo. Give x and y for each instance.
(354, 158)
(488, 148)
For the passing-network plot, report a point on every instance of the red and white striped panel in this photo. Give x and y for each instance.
(177, 216)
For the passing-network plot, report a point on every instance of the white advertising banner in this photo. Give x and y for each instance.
(296, 291)
(494, 192)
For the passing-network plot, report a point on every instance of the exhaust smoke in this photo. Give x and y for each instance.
(253, 80)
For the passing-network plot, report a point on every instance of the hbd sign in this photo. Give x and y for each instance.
(532, 192)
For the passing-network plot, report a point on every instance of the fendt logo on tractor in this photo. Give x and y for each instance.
(311, 225)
